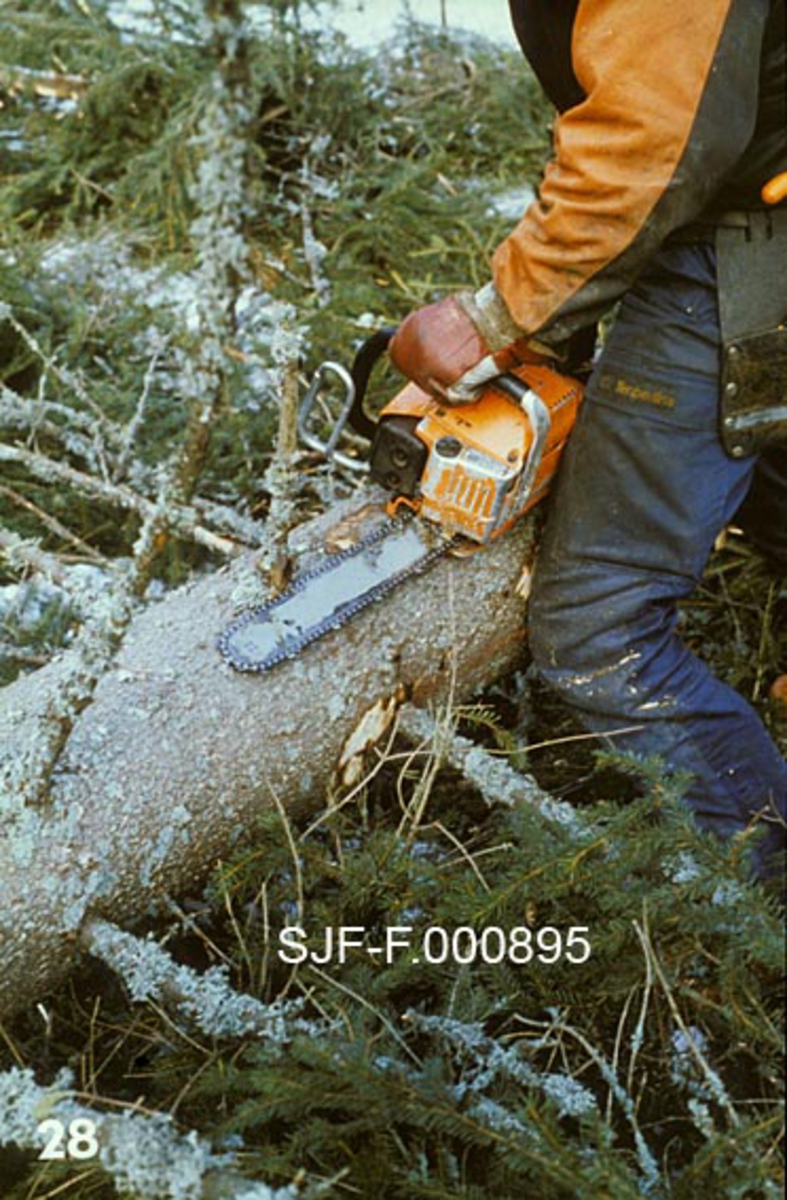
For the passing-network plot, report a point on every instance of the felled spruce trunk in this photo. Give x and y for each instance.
(165, 769)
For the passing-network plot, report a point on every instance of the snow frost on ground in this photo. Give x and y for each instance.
(365, 23)
(369, 22)
(104, 271)
(511, 204)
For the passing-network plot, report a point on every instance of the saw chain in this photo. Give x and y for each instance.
(332, 593)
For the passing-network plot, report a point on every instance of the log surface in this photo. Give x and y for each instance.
(165, 770)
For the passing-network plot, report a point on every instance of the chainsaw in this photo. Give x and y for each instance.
(459, 477)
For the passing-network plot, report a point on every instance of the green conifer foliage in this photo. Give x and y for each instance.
(652, 1069)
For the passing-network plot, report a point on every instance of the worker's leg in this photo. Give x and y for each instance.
(643, 491)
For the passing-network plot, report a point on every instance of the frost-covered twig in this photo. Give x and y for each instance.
(217, 234)
(52, 524)
(652, 1183)
(314, 252)
(484, 1065)
(23, 553)
(280, 478)
(180, 519)
(313, 186)
(218, 231)
(29, 417)
(206, 1001)
(78, 435)
(22, 654)
(154, 531)
(69, 379)
(34, 411)
(239, 525)
(145, 1155)
(132, 428)
(498, 782)
(484, 1060)
(691, 1043)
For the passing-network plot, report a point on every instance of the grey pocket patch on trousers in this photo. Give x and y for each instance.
(754, 391)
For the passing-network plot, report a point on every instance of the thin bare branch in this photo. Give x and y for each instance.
(181, 520)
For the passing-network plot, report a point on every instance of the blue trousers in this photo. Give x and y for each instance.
(644, 489)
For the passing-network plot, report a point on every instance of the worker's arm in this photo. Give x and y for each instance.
(671, 104)
(671, 96)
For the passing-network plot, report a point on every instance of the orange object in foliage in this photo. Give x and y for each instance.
(779, 692)
(487, 462)
(775, 190)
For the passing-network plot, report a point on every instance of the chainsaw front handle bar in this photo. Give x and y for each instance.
(540, 420)
(353, 412)
(309, 402)
(373, 350)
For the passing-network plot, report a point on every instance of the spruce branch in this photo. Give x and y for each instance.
(30, 413)
(497, 782)
(78, 435)
(26, 555)
(180, 518)
(218, 230)
(70, 379)
(53, 525)
(205, 1001)
(312, 186)
(280, 479)
(56, 85)
(712, 1079)
(652, 1182)
(144, 1154)
(30, 417)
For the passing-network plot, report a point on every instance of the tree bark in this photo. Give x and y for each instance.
(168, 765)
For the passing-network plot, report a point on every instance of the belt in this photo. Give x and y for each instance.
(757, 222)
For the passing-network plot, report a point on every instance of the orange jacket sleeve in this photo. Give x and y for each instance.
(671, 97)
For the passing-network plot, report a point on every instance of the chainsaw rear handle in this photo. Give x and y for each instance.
(364, 362)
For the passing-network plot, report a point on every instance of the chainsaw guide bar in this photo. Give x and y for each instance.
(331, 594)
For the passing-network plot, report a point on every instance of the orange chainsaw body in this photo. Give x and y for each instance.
(476, 468)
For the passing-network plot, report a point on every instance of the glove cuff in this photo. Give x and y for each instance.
(488, 311)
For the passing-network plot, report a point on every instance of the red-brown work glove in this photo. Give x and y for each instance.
(455, 346)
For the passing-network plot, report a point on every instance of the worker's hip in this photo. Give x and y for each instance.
(657, 389)
(739, 263)
(663, 485)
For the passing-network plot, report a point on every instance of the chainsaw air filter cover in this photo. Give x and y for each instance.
(398, 456)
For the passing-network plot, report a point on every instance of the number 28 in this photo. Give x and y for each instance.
(80, 1142)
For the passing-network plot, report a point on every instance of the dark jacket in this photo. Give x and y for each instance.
(663, 119)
